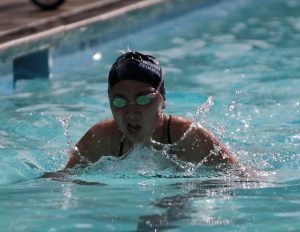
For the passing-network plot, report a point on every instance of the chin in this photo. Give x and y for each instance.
(138, 139)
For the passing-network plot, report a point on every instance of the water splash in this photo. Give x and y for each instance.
(140, 161)
(156, 160)
(203, 110)
(65, 120)
(167, 150)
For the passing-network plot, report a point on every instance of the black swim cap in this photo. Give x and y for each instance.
(137, 67)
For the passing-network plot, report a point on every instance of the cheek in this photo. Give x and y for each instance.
(117, 115)
(152, 115)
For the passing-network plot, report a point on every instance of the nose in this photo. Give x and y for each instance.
(132, 113)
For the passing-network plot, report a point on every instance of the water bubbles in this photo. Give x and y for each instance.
(237, 92)
(232, 106)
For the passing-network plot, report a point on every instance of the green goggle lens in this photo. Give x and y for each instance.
(143, 100)
(119, 102)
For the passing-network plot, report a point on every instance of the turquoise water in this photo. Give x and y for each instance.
(232, 65)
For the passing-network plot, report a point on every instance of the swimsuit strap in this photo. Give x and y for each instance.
(121, 145)
(169, 129)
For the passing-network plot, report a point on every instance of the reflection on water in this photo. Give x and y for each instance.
(196, 204)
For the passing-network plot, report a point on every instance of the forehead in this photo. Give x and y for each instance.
(130, 86)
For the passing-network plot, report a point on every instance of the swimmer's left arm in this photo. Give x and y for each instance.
(209, 149)
(200, 145)
(217, 151)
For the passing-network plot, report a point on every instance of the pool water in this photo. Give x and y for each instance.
(233, 66)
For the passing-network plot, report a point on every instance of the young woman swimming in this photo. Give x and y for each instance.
(137, 99)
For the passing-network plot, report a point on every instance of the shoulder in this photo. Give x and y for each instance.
(99, 139)
(196, 143)
(180, 120)
(106, 127)
(178, 126)
(102, 134)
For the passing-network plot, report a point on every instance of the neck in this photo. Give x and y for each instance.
(161, 128)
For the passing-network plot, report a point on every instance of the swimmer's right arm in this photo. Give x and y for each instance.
(74, 160)
(78, 158)
(89, 149)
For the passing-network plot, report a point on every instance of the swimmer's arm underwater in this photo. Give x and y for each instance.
(74, 160)
(79, 157)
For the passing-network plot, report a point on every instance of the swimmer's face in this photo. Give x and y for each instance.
(137, 122)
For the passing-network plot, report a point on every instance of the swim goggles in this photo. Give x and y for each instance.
(142, 100)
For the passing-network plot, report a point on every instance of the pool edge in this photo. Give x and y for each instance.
(60, 30)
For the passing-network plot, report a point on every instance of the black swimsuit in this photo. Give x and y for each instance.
(168, 136)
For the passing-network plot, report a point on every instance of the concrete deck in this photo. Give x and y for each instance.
(21, 18)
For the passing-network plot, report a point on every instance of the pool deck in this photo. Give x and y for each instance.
(21, 18)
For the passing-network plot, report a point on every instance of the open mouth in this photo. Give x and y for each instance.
(133, 128)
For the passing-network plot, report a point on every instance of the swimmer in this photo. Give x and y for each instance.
(137, 100)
